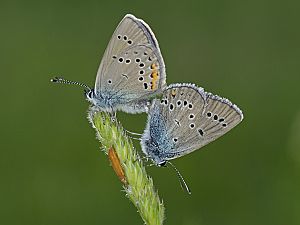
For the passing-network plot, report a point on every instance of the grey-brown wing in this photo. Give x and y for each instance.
(132, 65)
(195, 118)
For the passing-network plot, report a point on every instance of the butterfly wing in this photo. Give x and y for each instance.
(132, 68)
(193, 118)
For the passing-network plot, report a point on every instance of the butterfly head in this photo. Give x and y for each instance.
(89, 94)
(162, 164)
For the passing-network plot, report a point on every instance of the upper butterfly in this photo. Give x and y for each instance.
(185, 119)
(131, 72)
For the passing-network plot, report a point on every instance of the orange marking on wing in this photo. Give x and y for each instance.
(173, 93)
(116, 165)
(154, 76)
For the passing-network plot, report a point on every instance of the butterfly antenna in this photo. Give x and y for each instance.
(64, 81)
(181, 180)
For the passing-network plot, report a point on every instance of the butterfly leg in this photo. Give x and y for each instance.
(133, 133)
(129, 133)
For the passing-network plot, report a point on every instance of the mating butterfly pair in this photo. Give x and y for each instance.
(132, 72)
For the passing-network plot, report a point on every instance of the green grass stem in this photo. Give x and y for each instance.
(137, 184)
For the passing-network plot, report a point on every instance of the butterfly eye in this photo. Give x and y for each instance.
(209, 114)
(162, 164)
(175, 139)
(129, 42)
(90, 94)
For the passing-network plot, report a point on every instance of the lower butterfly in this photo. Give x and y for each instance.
(185, 119)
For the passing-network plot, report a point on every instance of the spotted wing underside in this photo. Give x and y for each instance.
(195, 118)
(132, 67)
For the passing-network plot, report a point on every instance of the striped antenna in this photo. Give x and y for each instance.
(181, 180)
(64, 81)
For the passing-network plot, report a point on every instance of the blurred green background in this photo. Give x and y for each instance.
(51, 169)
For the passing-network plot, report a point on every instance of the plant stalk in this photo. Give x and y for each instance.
(128, 166)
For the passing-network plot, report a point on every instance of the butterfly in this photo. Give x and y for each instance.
(185, 119)
(131, 72)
